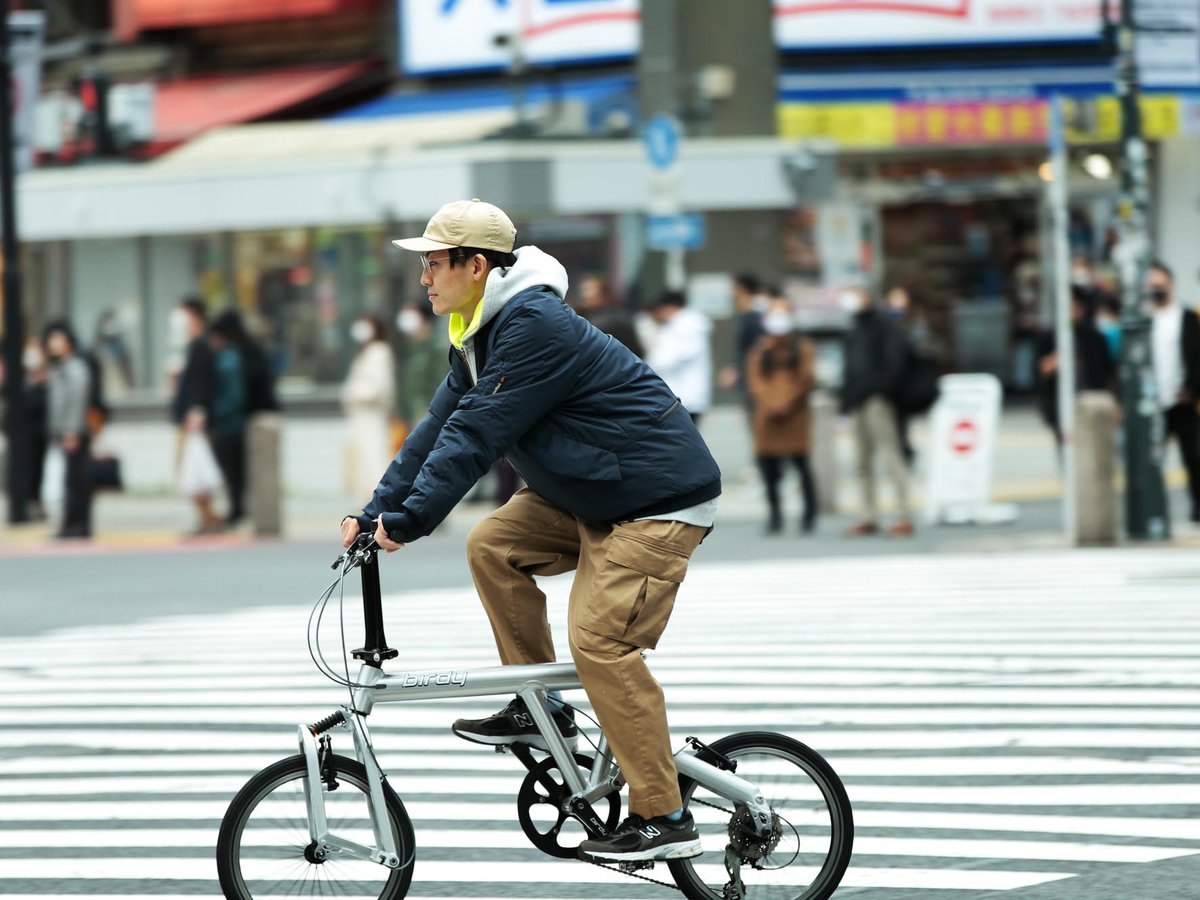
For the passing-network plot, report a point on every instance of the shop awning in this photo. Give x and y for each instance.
(191, 106)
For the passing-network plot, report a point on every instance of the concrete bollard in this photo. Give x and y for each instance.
(264, 471)
(1095, 469)
(823, 453)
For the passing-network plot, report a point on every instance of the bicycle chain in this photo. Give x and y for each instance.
(666, 884)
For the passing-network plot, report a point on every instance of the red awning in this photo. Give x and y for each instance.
(131, 17)
(185, 108)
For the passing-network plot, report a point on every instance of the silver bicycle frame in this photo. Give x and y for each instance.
(531, 683)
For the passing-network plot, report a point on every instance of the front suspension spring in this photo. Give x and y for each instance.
(328, 722)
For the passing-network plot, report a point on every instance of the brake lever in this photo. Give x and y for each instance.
(358, 554)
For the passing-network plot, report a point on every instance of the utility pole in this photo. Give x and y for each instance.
(1145, 496)
(1064, 327)
(16, 423)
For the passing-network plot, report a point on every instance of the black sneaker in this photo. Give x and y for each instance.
(637, 839)
(514, 724)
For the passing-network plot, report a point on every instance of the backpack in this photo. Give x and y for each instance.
(918, 387)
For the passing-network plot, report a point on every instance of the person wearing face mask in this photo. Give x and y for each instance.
(67, 398)
(368, 400)
(1175, 350)
(779, 379)
(874, 357)
(191, 403)
(422, 361)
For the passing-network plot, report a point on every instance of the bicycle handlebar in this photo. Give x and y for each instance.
(359, 552)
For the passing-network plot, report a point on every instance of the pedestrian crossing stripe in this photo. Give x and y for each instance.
(1000, 722)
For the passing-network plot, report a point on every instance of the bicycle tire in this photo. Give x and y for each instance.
(820, 807)
(274, 862)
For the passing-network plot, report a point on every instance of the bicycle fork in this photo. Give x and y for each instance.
(323, 842)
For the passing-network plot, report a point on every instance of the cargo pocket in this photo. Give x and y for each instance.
(633, 593)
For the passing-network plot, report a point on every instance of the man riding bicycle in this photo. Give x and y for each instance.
(621, 489)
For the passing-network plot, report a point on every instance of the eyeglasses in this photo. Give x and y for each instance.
(427, 263)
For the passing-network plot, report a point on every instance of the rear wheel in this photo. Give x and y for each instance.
(263, 848)
(808, 848)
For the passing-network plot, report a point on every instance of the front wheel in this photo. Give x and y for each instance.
(807, 852)
(263, 849)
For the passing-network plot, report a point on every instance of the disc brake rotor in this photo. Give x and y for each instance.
(540, 808)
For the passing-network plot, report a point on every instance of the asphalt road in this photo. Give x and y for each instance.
(941, 576)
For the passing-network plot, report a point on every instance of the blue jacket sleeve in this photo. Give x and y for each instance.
(397, 481)
(530, 370)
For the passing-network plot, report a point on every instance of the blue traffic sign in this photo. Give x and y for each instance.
(661, 137)
(685, 231)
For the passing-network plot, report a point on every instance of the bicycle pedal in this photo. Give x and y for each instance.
(629, 868)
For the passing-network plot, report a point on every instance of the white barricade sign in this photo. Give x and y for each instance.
(962, 453)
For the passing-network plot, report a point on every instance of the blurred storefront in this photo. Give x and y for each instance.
(910, 153)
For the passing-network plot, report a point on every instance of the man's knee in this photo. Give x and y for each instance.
(490, 539)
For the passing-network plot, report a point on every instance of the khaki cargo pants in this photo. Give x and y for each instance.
(626, 579)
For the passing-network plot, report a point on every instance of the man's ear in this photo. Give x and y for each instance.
(479, 265)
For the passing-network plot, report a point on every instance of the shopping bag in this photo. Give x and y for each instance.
(54, 477)
(104, 473)
(199, 475)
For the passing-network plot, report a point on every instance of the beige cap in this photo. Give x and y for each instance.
(465, 223)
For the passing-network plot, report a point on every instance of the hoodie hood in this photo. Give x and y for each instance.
(533, 268)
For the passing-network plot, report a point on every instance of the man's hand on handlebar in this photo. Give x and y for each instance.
(381, 536)
(350, 531)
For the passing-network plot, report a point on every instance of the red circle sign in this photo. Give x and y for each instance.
(964, 437)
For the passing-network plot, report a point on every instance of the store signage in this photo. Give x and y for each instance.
(880, 23)
(685, 231)
(25, 45)
(980, 123)
(463, 35)
(1018, 122)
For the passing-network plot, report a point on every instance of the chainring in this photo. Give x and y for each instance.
(534, 795)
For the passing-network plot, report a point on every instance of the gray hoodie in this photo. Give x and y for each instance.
(532, 269)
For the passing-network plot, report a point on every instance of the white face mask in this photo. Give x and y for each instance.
(361, 332)
(777, 323)
(32, 359)
(851, 301)
(178, 325)
(409, 321)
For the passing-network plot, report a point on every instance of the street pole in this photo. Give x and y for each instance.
(1064, 327)
(1145, 496)
(15, 424)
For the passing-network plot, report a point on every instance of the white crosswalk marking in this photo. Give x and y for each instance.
(1000, 722)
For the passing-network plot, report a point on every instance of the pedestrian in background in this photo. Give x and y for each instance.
(602, 308)
(111, 352)
(69, 390)
(368, 400)
(1093, 364)
(1108, 323)
(424, 362)
(749, 303)
(243, 384)
(922, 365)
(681, 354)
(779, 379)
(37, 377)
(873, 367)
(191, 405)
(1175, 350)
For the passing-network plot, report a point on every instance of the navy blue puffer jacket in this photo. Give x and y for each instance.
(588, 425)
